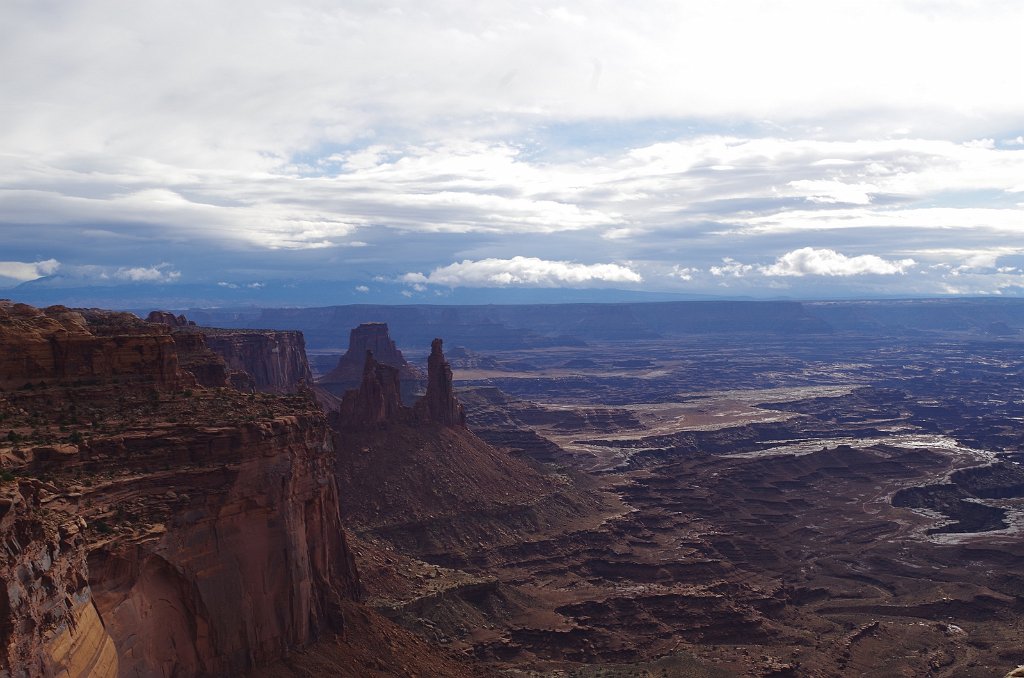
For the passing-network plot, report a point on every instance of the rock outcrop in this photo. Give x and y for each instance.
(269, 361)
(58, 345)
(276, 360)
(169, 319)
(181, 530)
(419, 479)
(372, 337)
(378, 398)
(195, 357)
(440, 405)
(230, 562)
(48, 623)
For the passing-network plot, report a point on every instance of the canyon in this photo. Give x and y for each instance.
(774, 489)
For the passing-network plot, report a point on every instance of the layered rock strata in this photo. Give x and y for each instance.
(62, 346)
(48, 623)
(276, 360)
(212, 541)
(270, 361)
(195, 357)
(231, 561)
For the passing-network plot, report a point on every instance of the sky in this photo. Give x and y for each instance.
(781, 148)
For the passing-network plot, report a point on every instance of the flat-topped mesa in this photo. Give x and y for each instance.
(440, 404)
(377, 399)
(58, 345)
(373, 337)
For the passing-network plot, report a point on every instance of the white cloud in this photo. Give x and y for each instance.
(362, 289)
(684, 272)
(833, 191)
(25, 271)
(158, 273)
(318, 127)
(731, 267)
(811, 261)
(528, 271)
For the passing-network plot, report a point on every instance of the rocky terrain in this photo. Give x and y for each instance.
(834, 495)
(271, 361)
(155, 526)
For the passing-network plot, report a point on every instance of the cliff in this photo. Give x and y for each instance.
(195, 357)
(270, 361)
(48, 623)
(372, 337)
(62, 346)
(229, 560)
(169, 319)
(180, 531)
(276, 360)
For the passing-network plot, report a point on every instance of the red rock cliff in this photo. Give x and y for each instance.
(58, 345)
(213, 530)
(232, 560)
(48, 623)
(196, 358)
(276, 360)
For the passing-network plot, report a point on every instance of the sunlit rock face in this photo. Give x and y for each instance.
(48, 623)
(240, 565)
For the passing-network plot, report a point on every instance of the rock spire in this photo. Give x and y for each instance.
(440, 404)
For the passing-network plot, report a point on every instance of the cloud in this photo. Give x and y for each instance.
(25, 271)
(683, 272)
(363, 289)
(834, 191)
(731, 267)
(467, 126)
(811, 261)
(159, 273)
(528, 271)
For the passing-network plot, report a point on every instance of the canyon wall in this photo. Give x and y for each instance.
(48, 623)
(228, 562)
(64, 346)
(276, 360)
(179, 530)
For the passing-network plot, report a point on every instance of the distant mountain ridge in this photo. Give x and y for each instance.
(547, 325)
